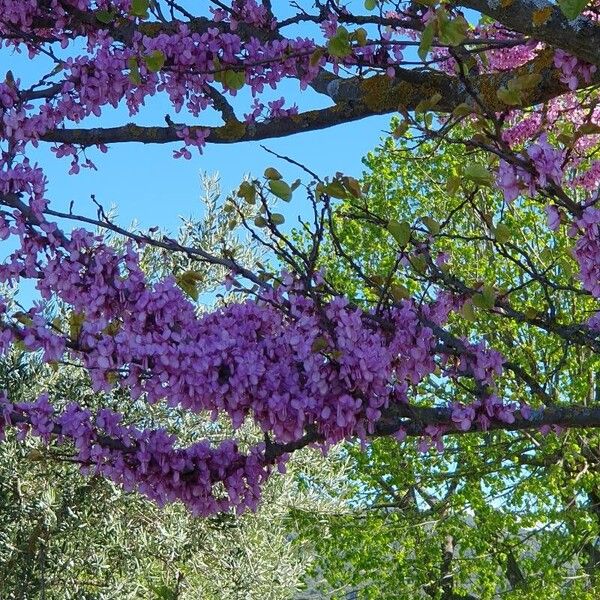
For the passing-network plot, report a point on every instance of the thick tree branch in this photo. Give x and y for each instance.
(413, 419)
(355, 99)
(416, 418)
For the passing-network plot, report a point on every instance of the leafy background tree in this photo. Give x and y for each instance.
(513, 514)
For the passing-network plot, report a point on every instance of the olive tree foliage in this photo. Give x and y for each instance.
(67, 536)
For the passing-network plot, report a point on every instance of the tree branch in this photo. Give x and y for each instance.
(356, 98)
(414, 419)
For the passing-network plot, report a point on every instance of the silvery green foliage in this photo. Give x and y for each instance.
(85, 538)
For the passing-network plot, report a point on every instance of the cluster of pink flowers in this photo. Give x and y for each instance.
(275, 110)
(547, 160)
(484, 365)
(185, 63)
(572, 69)
(504, 58)
(204, 478)
(548, 163)
(484, 412)
(250, 12)
(589, 179)
(480, 362)
(92, 82)
(524, 128)
(575, 170)
(587, 249)
(195, 137)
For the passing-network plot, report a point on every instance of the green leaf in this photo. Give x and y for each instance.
(316, 56)
(277, 219)
(525, 82)
(234, 80)
(419, 263)
(164, 592)
(512, 97)
(353, 186)
(400, 232)
(76, 321)
(453, 32)
(401, 129)
(399, 292)
(572, 8)
(271, 173)
(426, 40)
(432, 225)
(188, 282)
(468, 311)
(105, 16)
(260, 221)
(371, 4)
(319, 344)
(139, 8)
(486, 298)
(339, 45)
(360, 35)
(453, 184)
(155, 61)
(217, 70)
(113, 327)
(588, 129)
(281, 189)
(23, 318)
(247, 191)
(134, 70)
(477, 174)
(428, 103)
(135, 77)
(335, 189)
(531, 313)
(462, 110)
(502, 233)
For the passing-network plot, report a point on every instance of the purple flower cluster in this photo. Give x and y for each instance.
(110, 73)
(572, 69)
(587, 249)
(483, 413)
(478, 361)
(482, 364)
(206, 479)
(548, 163)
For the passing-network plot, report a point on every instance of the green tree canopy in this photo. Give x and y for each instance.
(508, 513)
